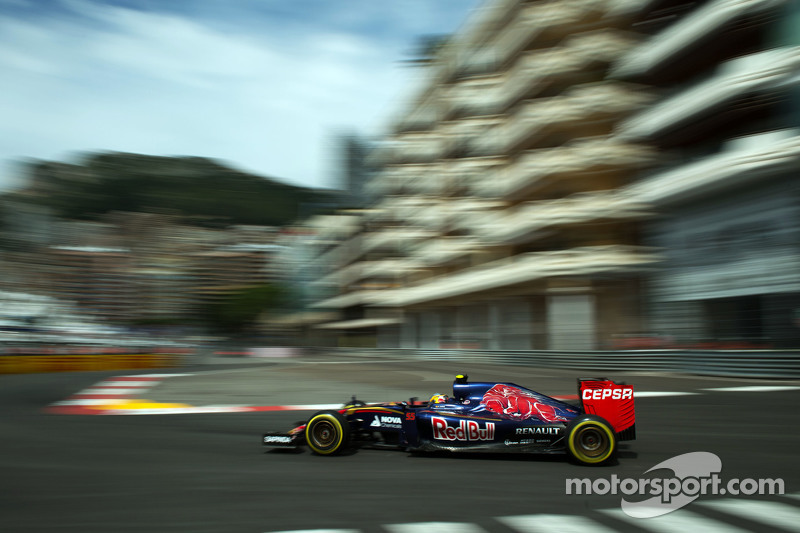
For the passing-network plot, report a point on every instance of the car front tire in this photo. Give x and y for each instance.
(327, 433)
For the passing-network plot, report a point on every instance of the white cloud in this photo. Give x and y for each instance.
(103, 77)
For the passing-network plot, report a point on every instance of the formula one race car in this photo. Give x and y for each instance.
(479, 417)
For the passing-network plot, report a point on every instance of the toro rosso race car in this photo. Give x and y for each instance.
(479, 417)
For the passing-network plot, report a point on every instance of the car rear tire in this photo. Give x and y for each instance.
(327, 433)
(591, 440)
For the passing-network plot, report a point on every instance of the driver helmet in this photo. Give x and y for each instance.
(439, 398)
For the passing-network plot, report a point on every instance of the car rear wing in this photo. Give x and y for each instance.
(611, 401)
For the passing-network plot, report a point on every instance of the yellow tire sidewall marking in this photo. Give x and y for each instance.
(337, 424)
(580, 455)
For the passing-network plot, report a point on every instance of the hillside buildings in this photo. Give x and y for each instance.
(136, 268)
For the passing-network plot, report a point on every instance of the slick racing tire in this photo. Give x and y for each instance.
(327, 433)
(591, 440)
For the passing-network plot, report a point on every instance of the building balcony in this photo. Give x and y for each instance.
(460, 175)
(350, 299)
(388, 209)
(362, 270)
(743, 161)
(467, 214)
(461, 137)
(625, 8)
(522, 269)
(336, 228)
(531, 218)
(429, 219)
(379, 213)
(573, 61)
(386, 268)
(423, 117)
(756, 73)
(533, 71)
(407, 147)
(332, 280)
(546, 21)
(536, 168)
(360, 323)
(583, 111)
(687, 33)
(472, 97)
(423, 212)
(441, 251)
(393, 239)
(388, 181)
(422, 179)
(343, 253)
(418, 147)
(408, 210)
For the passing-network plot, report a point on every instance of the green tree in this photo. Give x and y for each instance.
(240, 310)
(195, 187)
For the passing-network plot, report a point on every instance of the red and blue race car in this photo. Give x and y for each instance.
(479, 417)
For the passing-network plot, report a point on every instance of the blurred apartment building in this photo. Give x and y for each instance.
(573, 173)
(727, 126)
(499, 220)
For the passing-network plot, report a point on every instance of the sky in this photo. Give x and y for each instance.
(263, 85)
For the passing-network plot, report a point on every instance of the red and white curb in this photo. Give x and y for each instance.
(122, 395)
(109, 394)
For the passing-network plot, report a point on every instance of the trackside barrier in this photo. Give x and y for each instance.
(732, 363)
(25, 364)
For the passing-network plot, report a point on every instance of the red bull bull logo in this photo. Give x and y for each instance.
(517, 404)
(467, 430)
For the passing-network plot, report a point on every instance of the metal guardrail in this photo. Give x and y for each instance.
(732, 363)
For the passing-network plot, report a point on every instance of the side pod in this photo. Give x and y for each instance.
(611, 401)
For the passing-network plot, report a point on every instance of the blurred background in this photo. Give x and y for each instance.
(397, 192)
(567, 175)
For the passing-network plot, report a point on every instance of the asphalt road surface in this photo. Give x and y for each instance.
(209, 473)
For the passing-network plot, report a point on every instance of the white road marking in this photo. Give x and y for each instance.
(320, 531)
(113, 391)
(312, 407)
(546, 523)
(754, 388)
(678, 521)
(126, 383)
(365, 361)
(775, 514)
(434, 527)
(91, 401)
(206, 409)
(660, 394)
(161, 375)
(769, 513)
